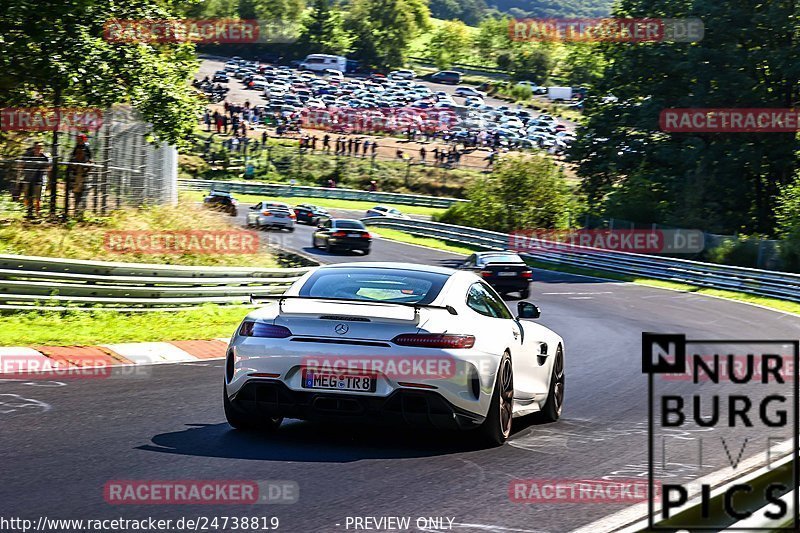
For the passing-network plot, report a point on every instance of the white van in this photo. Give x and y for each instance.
(321, 62)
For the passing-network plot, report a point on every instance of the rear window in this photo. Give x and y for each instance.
(375, 284)
(349, 224)
(509, 258)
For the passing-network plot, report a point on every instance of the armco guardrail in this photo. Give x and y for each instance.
(278, 189)
(781, 285)
(57, 284)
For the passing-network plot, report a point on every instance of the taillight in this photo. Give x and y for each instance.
(366, 236)
(266, 213)
(527, 274)
(251, 328)
(435, 340)
(338, 234)
(486, 273)
(292, 215)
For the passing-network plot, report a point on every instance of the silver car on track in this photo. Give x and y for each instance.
(393, 343)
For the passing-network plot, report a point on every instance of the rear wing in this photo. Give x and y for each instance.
(254, 298)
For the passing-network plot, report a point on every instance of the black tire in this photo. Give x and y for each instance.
(291, 229)
(524, 293)
(366, 251)
(314, 242)
(328, 247)
(241, 421)
(496, 429)
(555, 396)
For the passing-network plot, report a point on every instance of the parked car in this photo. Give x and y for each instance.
(222, 201)
(469, 91)
(333, 74)
(447, 76)
(535, 89)
(402, 74)
(268, 215)
(310, 214)
(504, 271)
(342, 234)
(220, 77)
(383, 211)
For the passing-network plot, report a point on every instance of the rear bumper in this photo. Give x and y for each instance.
(509, 284)
(270, 398)
(276, 222)
(351, 244)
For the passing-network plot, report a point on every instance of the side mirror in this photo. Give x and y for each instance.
(527, 310)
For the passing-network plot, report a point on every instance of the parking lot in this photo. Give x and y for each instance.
(481, 122)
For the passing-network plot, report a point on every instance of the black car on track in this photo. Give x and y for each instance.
(504, 271)
(310, 214)
(342, 234)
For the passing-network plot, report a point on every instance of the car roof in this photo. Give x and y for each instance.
(394, 266)
(489, 254)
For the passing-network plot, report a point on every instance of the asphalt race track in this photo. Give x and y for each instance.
(62, 442)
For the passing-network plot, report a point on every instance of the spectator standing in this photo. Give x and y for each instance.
(76, 174)
(35, 168)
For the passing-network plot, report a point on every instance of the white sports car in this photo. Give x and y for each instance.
(393, 342)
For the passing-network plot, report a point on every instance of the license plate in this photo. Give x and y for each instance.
(509, 274)
(354, 235)
(344, 382)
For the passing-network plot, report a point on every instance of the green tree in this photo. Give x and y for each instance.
(724, 183)
(583, 65)
(470, 12)
(532, 62)
(323, 31)
(492, 41)
(55, 55)
(522, 193)
(788, 224)
(449, 43)
(384, 29)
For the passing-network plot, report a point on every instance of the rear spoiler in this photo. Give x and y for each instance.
(254, 298)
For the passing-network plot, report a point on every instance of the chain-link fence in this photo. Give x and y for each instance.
(112, 167)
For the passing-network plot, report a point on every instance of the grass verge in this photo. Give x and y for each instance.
(772, 303)
(87, 239)
(102, 327)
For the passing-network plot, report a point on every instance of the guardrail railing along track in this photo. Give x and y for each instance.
(780, 285)
(37, 283)
(277, 189)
